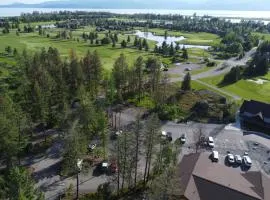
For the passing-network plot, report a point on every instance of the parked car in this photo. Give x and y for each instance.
(230, 158)
(215, 156)
(117, 133)
(247, 161)
(166, 136)
(169, 136)
(103, 166)
(211, 142)
(183, 139)
(238, 159)
(91, 147)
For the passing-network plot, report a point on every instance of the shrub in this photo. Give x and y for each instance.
(169, 112)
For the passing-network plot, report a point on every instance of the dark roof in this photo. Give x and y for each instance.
(205, 180)
(256, 108)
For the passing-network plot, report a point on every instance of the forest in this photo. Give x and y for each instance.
(70, 86)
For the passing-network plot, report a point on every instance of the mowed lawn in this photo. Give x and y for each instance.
(244, 88)
(108, 54)
(34, 42)
(192, 38)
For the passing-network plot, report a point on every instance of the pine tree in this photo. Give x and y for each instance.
(152, 135)
(128, 39)
(185, 53)
(186, 84)
(119, 72)
(156, 50)
(135, 42)
(115, 37)
(124, 44)
(146, 47)
(74, 149)
(11, 130)
(144, 42)
(172, 51)
(20, 185)
(138, 68)
(113, 43)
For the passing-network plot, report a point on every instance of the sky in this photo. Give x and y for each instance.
(4, 2)
(216, 3)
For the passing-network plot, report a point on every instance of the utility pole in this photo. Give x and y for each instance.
(79, 168)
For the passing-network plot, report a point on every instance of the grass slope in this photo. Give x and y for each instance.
(244, 88)
(193, 38)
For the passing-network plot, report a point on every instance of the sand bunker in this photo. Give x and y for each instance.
(258, 81)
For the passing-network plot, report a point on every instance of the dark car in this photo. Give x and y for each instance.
(169, 136)
(103, 167)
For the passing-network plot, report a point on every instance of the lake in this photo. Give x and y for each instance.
(168, 40)
(4, 12)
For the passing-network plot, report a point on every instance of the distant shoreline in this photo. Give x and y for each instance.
(226, 14)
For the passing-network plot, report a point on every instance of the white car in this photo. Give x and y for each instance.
(215, 156)
(117, 133)
(230, 158)
(238, 159)
(247, 161)
(183, 139)
(92, 146)
(211, 142)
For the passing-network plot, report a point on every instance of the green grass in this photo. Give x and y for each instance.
(198, 71)
(244, 88)
(33, 42)
(265, 35)
(193, 38)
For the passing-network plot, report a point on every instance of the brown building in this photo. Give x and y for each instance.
(256, 114)
(202, 179)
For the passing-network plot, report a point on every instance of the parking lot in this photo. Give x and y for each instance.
(226, 140)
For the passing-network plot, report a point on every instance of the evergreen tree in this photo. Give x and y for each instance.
(138, 68)
(166, 35)
(146, 47)
(115, 37)
(11, 131)
(186, 84)
(20, 186)
(124, 44)
(185, 53)
(140, 46)
(144, 42)
(120, 70)
(156, 50)
(128, 39)
(135, 41)
(113, 43)
(177, 47)
(172, 51)
(74, 149)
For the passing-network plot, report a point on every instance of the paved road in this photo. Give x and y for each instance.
(230, 63)
(220, 69)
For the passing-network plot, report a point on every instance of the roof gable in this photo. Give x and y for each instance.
(256, 108)
(205, 180)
